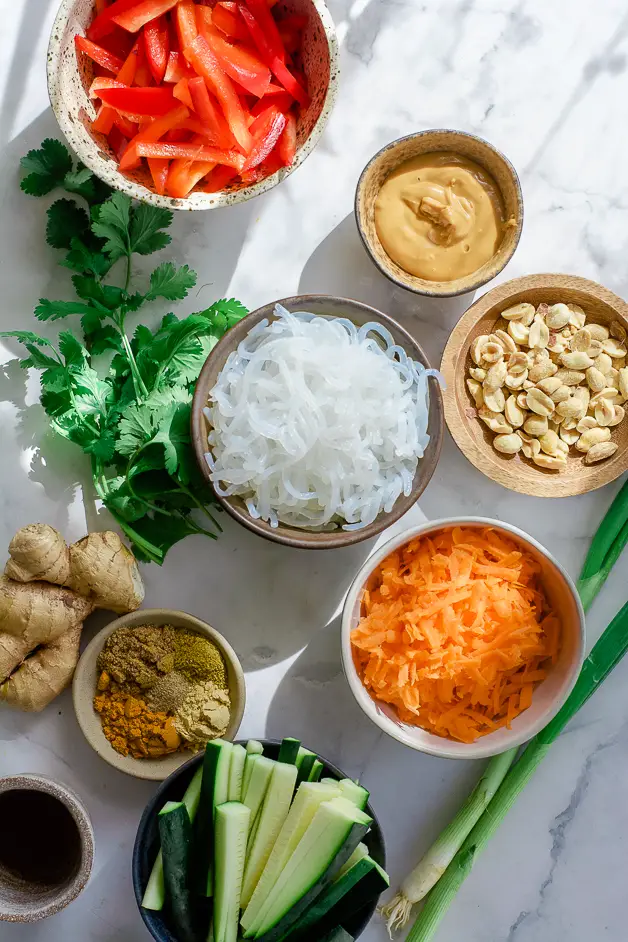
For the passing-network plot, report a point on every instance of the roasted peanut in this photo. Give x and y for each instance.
(495, 421)
(550, 462)
(619, 414)
(614, 348)
(507, 444)
(576, 361)
(506, 341)
(558, 316)
(581, 341)
(623, 382)
(536, 425)
(569, 436)
(475, 389)
(549, 442)
(600, 452)
(518, 331)
(604, 412)
(495, 376)
(538, 335)
(598, 332)
(519, 312)
(591, 437)
(539, 402)
(577, 317)
(595, 379)
(494, 399)
(514, 414)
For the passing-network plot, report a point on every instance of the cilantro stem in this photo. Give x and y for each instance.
(141, 392)
(200, 506)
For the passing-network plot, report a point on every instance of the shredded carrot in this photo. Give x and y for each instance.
(456, 632)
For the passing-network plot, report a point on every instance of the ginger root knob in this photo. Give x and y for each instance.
(105, 571)
(38, 552)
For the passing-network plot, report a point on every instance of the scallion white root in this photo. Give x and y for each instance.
(432, 866)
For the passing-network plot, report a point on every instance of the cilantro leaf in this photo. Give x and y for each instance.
(174, 435)
(84, 183)
(37, 358)
(146, 223)
(109, 297)
(81, 259)
(72, 350)
(121, 500)
(224, 314)
(136, 428)
(111, 223)
(171, 283)
(162, 532)
(46, 167)
(53, 310)
(177, 350)
(105, 338)
(141, 338)
(66, 221)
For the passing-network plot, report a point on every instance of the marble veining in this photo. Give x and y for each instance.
(547, 84)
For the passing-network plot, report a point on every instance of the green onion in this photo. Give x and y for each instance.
(606, 547)
(435, 862)
(606, 654)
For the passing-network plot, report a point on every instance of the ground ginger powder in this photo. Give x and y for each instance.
(203, 715)
(129, 725)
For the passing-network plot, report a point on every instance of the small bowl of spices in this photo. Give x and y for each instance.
(440, 212)
(153, 687)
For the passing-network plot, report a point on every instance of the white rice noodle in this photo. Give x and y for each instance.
(316, 422)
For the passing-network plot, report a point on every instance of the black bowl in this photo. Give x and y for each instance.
(172, 789)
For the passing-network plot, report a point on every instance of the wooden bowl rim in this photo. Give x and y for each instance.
(608, 471)
(292, 536)
(442, 289)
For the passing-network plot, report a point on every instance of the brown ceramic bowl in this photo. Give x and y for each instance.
(359, 314)
(86, 676)
(68, 86)
(472, 436)
(425, 142)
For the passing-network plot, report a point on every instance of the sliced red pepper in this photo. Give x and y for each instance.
(103, 122)
(271, 165)
(99, 83)
(118, 43)
(157, 48)
(204, 62)
(100, 6)
(158, 167)
(203, 18)
(103, 24)
(132, 20)
(284, 102)
(126, 75)
(266, 21)
(127, 128)
(153, 132)
(275, 63)
(191, 151)
(117, 141)
(289, 82)
(185, 174)
(104, 58)
(177, 68)
(150, 101)
(143, 78)
(287, 146)
(210, 115)
(187, 30)
(219, 178)
(266, 131)
(181, 91)
(225, 18)
(246, 69)
(179, 136)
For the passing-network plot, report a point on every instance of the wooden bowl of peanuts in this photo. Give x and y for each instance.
(537, 385)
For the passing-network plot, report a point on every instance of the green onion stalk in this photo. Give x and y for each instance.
(606, 547)
(605, 656)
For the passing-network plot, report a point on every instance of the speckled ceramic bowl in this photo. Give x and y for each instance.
(86, 675)
(25, 901)
(69, 81)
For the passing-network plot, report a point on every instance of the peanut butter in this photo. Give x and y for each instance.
(440, 216)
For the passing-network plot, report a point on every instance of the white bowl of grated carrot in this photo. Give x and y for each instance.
(462, 637)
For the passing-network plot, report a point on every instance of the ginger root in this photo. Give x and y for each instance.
(38, 552)
(46, 593)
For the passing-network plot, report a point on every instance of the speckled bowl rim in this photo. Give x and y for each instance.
(482, 279)
(43, 783)
(484, 747)
(149, 769)
(199, 200)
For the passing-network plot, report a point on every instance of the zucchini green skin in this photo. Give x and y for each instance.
(203, 847)
(305, 769)
(316, 771)
(344, 897)
(175, 833)
(280, 929)
(289, 751)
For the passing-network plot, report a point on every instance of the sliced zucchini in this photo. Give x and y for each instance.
(358, 854)
(154, 894)
(214, 792)
(249, 762)
(342, 898)
(254, 748)
(232, 829)
(175, 833)
(332, 836)
(354, 792)
(236, 773)
(288, 751)
(271, 818)
(305, 768)
(303, 752)
(306, 802)
(261, 772)
(316, 771)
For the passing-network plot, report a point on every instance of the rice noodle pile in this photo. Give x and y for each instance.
(316, 422)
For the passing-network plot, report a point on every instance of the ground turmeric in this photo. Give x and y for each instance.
(129, 725)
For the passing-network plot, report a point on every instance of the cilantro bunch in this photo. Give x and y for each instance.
(123, 397)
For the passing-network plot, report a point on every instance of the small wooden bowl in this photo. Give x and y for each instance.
(86, 676)
(472, 436)
(69, 78)
(333, 307)
(425, 142)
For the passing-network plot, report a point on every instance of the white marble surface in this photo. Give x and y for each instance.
(547, 83)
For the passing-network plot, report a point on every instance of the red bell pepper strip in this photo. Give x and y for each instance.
(117, 141)
(210, 115)
(100, 83)
(283, 102)
(138, 101)
(103, 122)
(287, 146)
(192, 151)
(181, 91)
(271, 165)
(187, 30)
(225, 18)
(177, 68)
(103, 23)
(127, 128)
(185, 174)
(126, 75)
(259, 10)
(219, 178)
(143, 78)
(204, 62)
(179, 136)
(157, 48)
(100, 6)
(151, 133)
(246, 69)
(104, 58)
(132, 20)
(158, 167)
(275, 63)
(266, 131)
(203, 16)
